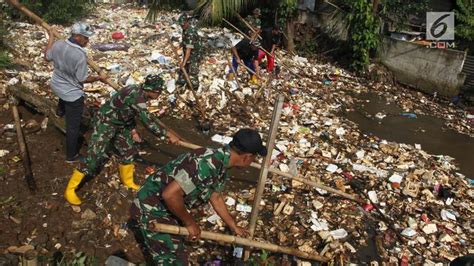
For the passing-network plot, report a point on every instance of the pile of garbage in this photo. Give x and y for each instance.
(417, 208)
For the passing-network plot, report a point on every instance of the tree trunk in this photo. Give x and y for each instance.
(289, 34)
(375, 6)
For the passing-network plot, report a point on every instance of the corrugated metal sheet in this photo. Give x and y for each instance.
(468, 69)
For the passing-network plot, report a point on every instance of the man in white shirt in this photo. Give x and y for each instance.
(69, 75)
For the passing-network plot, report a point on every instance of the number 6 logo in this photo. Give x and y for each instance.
(440, 26)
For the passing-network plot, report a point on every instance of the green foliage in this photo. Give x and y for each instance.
(212, 11)
(4, 62)
(465, 19)
(398, 11)
(364, 33)
(79, 259)
(287, 9)
(55, 11)
(157, 5)
(262, 259)
(4, 59)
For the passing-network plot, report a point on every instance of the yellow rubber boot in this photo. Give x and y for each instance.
(126, 175)
(70, 193)
(254, 80)
(230, 76)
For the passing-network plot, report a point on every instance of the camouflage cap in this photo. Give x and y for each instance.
(183, 18)
(255, 43)
(256, 12)
(154, 83)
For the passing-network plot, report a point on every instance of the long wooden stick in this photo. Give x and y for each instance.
(265, 167)
(249, 69)
(249, 26)
(91, 63)
(25, 156)
(178, 230)
(288, 175)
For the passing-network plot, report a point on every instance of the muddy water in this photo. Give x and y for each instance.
(429, 132)
(243, 178)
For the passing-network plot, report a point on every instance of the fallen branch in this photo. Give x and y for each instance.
(177, 230)
(25, 156)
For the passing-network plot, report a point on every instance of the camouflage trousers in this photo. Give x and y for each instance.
(192, 68)
(164, 249)
(106, 138)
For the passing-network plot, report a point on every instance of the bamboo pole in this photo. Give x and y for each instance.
(288, 175)
(265, 166)
(249, 26)
(25, 156)
(91, 63)
(177, 230)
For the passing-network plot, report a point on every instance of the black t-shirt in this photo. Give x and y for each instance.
(269, 39)
(245, 51)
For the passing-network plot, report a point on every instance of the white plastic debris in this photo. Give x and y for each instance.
(396, 178)
(339, 233)
(421, 240)
(114, 68)
(409, 232)
(13, 81)
(319, 225)
(157, 57)
(230, 201)
(374, 170)
(221, 139)
(380, 116)
(373, 196)
(171, 85)
(360, 154)
(243, 208)
(340, 131)
(300, 59)
(447, 215)
(284, 167)
(317, 204)
(213, 218)
(430, 229)
(4, 152)
(331, 168)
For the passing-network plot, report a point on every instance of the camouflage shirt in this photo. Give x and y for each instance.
(122, 108)
(199, 173)
(256, 23)
(191, 38)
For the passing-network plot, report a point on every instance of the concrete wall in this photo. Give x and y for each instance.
(429, 70)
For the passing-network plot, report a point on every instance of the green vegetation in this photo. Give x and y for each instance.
(54, 11)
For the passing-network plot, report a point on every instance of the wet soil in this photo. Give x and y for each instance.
(430, 132)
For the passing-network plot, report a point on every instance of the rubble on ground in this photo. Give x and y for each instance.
(418, 206)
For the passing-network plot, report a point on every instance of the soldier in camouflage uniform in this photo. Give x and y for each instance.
(190, 180)
(113, 126)
(191, 44)
(255, 22)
